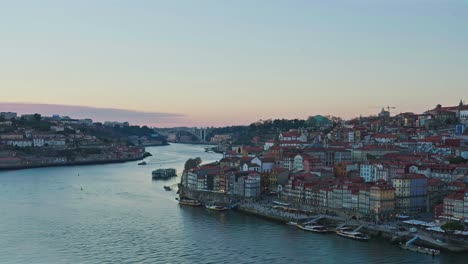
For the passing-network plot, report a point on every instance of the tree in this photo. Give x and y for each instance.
(458, 160)
(311, 121)
(452, 226)
(37, 117)
(192, 163)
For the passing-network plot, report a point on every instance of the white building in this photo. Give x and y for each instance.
(20, 143)
(192, 180)
(57, 128)
(268, 145)
(298, 163)
(38, 142)
(252, 185)
(366, 172)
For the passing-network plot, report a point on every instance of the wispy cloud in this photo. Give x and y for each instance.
(97, 113)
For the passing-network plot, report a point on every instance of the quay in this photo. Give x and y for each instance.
(270, 211)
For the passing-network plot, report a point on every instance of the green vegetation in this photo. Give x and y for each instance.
(36, 123)
(263, 129)
(117, 133)
(458, 160)
(318, 120)
(452, 226)
(192, 163)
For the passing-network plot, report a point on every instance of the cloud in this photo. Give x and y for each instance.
(97, 114)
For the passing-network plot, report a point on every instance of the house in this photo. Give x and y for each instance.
(38, 142)
(456, 205)
(277, 178)
(410, 192)
(369, 151)
(268, 144)
(21, 143)
(382, 199)
(245, 184)
(443, 114)
(267, 164)
(12, 136)
(384, 138)
(292, 138)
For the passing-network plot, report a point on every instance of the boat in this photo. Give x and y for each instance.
(216, 207)
(281, 203)
(189, 202)
(142, 163)
(314, 228)
(167, 188)
(163, 173)
(292, 223)
(428, 251)
(409, 246)
(352, 234)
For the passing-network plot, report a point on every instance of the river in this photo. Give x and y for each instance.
(115, 213)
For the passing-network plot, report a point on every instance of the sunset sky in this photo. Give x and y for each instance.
(201, 62)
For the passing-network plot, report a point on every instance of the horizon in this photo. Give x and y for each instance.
(217, 63)
(141, 118)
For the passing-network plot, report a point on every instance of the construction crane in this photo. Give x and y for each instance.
(385, 107)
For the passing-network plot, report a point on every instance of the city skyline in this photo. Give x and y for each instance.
(152, 119)
(216, 63)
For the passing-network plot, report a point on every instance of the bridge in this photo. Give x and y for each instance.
(185, 134)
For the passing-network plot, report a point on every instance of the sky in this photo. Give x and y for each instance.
(215, 63)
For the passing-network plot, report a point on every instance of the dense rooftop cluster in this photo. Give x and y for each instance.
(377, 167)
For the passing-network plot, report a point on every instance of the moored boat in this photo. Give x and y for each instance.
(314, 228)
(142, 163)
(189, 202)
(280, 203)
(353, 235)
(292, 223)
(428, 251)
(167, 188)
(216, 207)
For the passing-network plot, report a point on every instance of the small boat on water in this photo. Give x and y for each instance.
(314, 228)
(344, 232)
(142, 163)
(167, 188)
(216, 207)
(189, 202)
(428, 251)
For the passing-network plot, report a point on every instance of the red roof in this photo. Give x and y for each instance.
(384, 136)
(291, 134)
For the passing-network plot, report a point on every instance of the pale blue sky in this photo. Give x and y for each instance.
(220, 62)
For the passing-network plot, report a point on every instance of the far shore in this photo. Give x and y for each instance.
(69, 164)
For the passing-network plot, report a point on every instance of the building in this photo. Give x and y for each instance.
(382, 199)
(456, 205)
(38, 142)
(8, 115)
(410, 192)
(20, 143)
(245, 184)
(12, 136)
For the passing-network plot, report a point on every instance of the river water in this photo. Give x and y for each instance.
(115, 213)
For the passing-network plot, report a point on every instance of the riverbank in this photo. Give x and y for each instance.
(389, 232)
(68, 164)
